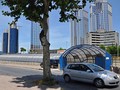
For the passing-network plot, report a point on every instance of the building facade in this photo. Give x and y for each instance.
(100, 16)
(5, 42)
(13, 39)
(101, 37)
(79, 29)
(10, 39)
(36, 46)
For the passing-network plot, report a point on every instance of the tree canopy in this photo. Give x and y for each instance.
(113, 50)
(38, 11)
(35, 10)
(102, 46)
(22, 49)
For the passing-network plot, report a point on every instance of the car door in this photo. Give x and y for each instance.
(85, 73)
(74, 71)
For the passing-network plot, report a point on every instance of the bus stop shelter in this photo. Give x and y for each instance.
(86, 53)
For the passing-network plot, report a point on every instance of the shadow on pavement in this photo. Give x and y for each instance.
(111, 87)
(27, 81)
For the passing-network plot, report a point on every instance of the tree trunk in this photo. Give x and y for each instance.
(46, 54)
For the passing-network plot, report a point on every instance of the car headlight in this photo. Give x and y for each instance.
(103, 75)
(109, 78)
(118, 76)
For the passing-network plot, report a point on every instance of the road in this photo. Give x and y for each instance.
(26, 75)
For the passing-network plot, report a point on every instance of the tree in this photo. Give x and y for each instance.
(102, 46)
(38, 11)
(22, 49)
(61, 48)
(112, 50)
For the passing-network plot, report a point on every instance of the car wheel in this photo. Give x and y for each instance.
(99, 83)
(67, 78)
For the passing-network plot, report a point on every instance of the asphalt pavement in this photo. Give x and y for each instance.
(27, 75)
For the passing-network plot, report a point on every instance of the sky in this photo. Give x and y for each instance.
(59, 32)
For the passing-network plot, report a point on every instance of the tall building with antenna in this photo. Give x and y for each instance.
(13, 38)
(100, 16)
(10, 39)
(79, 29)
(101, 31)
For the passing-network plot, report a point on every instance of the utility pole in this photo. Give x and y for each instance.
(117, 54)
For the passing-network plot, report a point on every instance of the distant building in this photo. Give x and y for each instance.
(102, 37)
(79, 29)
(100, 16)
(57, 51)
(1, 52)
(13, 39)
(36, 46)
(101, 31)
(10, 40)
(5, 42)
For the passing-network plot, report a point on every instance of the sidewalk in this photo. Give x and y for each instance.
(9, 82)
(6, 83)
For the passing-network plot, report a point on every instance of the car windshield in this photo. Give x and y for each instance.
(95, 67)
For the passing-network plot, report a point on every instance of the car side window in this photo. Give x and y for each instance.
(84, 68)
(73, 66)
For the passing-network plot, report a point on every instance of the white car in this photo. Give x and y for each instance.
(92, 73)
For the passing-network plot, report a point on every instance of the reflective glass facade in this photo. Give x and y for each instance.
(35, 31)
(35, 41)
(100, 16)
(13, 40)
(5, 42)
(79, 29)
(10, 39)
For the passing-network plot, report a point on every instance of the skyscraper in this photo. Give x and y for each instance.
(101, 25)
(5, 42)
(13, 39)
(79, 29)
(100, 16)
(36, 46)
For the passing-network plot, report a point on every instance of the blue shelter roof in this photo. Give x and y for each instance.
(83, 52)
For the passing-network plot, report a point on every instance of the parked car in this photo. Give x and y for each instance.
(92, 73)
(53, 63)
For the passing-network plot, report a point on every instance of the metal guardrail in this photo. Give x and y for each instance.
(37, 58)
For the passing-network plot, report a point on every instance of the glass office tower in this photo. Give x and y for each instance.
(100, 16)
(79, 29)
(13, 39)
(36, 46)
(5, 42)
